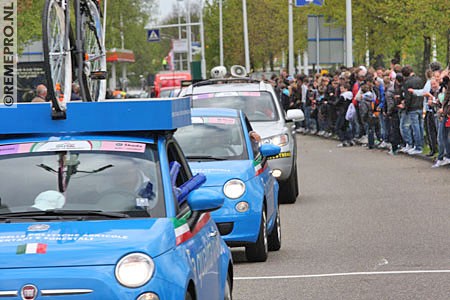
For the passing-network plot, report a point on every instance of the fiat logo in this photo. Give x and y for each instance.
(29, 292)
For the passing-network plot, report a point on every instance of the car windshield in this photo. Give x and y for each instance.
(166, 93)
(213, 138)
(258, 106)
(113, 178)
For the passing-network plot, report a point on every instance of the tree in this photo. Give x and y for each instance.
(29, 19)
(400, 26)
(130, 17)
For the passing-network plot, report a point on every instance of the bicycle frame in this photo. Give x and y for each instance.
(58, 111)
(82, 7)
(85, 49)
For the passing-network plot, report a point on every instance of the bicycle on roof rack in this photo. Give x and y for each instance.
(70, 56)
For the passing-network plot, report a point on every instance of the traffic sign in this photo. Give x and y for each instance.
(153, 35)
(299, 3)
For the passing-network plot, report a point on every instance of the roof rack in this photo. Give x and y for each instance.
(186, 83)
(190, 90)
(106, 116)
(225, 80)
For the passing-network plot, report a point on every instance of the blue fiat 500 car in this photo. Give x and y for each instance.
(218, 144)
(103, 205)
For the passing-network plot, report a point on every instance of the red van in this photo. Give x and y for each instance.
(167, 80)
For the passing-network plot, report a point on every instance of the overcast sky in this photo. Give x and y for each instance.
(165, 7)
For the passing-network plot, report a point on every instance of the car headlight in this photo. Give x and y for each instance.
(279, 140)
(234, 188)
(134, 270)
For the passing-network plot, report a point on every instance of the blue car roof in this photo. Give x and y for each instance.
(223, 112)
(101, 117)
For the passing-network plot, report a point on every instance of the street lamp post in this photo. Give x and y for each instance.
(221, 32)
(291, 39)
(189, 38)
(202, 43)
(180, 56)
(348, 34)
(247, 54)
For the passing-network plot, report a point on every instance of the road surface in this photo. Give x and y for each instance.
(366, 226)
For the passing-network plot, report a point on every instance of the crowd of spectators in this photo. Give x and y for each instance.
(392, 109)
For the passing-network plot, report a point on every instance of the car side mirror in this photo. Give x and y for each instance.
(268, 150)
(204, 200)
(295, 115)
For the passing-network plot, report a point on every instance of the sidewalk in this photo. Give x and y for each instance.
(419, 156)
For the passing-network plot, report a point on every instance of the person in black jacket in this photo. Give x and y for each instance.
(414, 108)
(331, 96)
(393, 100)
(341, 105)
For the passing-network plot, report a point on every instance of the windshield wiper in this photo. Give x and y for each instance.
(62, 212)
(50, 169)
(72, 169)
(205, 157)
(96, 170)
(47, 168)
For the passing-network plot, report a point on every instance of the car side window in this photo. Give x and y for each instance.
(175, 156)
(255, 144)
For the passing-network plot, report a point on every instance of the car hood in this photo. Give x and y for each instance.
(82, 243)
(268, 129)
(217, 173)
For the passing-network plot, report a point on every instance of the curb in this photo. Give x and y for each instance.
(417, 156)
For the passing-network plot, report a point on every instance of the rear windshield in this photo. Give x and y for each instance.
(258, 106)
(87, 175)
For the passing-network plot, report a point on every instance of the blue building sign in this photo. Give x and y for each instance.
(299, 3)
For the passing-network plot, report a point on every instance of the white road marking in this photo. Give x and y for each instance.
(344, 274)
(383, 262)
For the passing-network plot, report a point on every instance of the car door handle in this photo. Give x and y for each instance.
(212, 233)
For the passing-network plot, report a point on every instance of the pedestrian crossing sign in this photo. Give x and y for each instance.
(153, 35)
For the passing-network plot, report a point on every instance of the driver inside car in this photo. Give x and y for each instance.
(258, 110)
(219, 144)
(132, 189)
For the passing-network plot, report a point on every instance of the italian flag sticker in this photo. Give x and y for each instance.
(182, 230)
(32, 248)
(257, 164)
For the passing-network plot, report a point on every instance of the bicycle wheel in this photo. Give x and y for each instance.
(57, 56)
(93, 72)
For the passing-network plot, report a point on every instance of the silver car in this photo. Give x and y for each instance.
(259, 102)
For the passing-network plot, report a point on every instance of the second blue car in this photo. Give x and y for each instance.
(219, 144)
